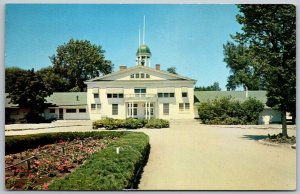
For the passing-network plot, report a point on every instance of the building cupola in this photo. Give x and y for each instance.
(143, 55)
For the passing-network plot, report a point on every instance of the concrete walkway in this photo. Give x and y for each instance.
(190, 156)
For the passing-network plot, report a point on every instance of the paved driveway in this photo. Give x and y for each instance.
(191, 156)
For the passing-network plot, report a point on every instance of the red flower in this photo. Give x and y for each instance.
(45, 186)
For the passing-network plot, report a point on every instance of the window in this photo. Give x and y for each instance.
(187, 106)
(96, 95)
(165, 95)
(82, 110)
(140, 75)
(95, 108)
(184, 106)
(73, 110)
(184, 94)
(115, 95)
(114, 109)
(181, 106)
(140, 90)
(166, 109)
(52, 110)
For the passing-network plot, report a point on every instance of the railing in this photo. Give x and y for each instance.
(140, 96)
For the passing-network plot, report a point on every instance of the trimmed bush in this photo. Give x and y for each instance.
(226, 111)
(157, 123)
(15, 144)
(130, 123)
(108, 123)
(106, 170)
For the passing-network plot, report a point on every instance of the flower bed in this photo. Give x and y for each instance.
(75, 160)
(48, 161)
(107, 170)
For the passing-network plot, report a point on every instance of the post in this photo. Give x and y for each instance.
(28, 165)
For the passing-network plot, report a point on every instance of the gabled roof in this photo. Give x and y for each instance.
(204, 96)
(174, 76)
(68, 98)
(58, 99)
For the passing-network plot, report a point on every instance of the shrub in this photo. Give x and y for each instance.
(157, 123)
(130, 123)
(15, 144)
(106, 170)
(108, 123)
(227, 111)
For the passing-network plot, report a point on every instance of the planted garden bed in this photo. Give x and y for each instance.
(50, 166)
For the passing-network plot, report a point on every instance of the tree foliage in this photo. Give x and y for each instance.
(214, 87)
(28, 91)
(172, 70)
(240, 60)
(79, 60)
(269, 31)
(11, 75)
(56, 82)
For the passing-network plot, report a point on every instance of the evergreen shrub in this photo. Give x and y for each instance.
(227, 111)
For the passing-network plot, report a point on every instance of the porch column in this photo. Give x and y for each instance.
(132, 109)
(146, 109)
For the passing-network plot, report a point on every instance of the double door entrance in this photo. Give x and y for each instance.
(140, 110)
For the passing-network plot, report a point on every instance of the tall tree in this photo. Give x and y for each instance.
(29, 91)
(56, 82)
(270, 32)
(79, 60)
(214, 87)
(240, 60)
(11, 75)
(172, 70)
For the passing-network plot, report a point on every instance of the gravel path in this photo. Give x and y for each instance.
(190, 156)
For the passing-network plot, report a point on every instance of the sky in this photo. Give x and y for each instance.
(188, 37)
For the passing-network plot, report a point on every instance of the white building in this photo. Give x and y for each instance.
(141, 92)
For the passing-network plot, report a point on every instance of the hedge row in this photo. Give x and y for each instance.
(227, 111)
(130, 123)
(15, 144)
(107, 170)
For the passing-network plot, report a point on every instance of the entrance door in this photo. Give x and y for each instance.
(61, 113)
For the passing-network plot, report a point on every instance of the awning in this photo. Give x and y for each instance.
(114, 90)
(184, 89)
(166, 90)
(95, 90)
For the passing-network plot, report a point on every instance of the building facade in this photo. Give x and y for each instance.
(141, 92)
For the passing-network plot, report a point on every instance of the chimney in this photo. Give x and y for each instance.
(157, 66)
(123, 67)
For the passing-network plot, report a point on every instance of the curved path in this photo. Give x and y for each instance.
(190, 156)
